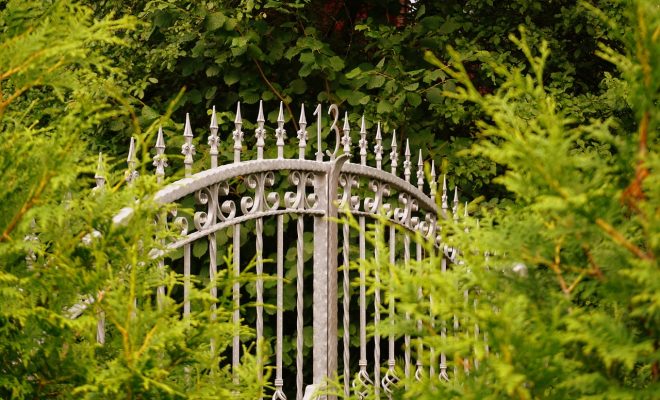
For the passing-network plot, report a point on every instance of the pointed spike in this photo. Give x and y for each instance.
(465, 211)
(238, 119)
(394, 155)
(432, 171)
(280, 116)
(302, 119)
(406, 163)
(420, 171)
(444, 192)
(187, 130)
(432, 182)
(362, 143)
(214, 121)
(346, 138)
(302, 133)
(260, 117)
(99, 167)
(378, 148)
(131, 151)
(455, 194)
(160, 141)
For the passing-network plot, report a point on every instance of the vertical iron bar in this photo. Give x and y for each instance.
(406, 356)
(280, 302)
(377, 382)
(186, 280)
(347, 299)
(300, 262)
(213, 272)
(236, 293)
(260, 296)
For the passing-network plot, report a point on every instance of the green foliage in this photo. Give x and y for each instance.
(57, 87)
(566, 298)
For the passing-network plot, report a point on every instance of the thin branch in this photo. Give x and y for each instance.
(276, 92)
(32, 201)
(620, 239)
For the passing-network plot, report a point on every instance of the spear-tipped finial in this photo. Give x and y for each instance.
(406, 163)
(214, 140)
(465, 215)
(302, 133)
(346, 138)
(420, 171)
(378, 148)
(187, 130)
(260, 132)
(445, 206)
(99, 177)
(131, 174)
(237, 134)
(280, 132)
(188, 149)
(394, 156)
(160, 159)
(455, 207)
(432, 183)
(363, 143)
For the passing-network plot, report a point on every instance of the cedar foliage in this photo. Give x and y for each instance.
(583, 215)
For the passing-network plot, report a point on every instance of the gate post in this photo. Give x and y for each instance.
(325, 300)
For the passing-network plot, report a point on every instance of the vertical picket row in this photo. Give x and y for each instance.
(414, 214)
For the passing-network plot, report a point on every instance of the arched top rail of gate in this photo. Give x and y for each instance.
(275, 186)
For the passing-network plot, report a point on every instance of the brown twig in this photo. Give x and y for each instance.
(620, 239)
(554, 266)
(275, 92)
(32, 201)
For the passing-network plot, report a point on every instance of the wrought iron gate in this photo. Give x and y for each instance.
(322, 190)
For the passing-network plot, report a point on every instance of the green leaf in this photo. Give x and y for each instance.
(384, 107)
(200, 247)
(215, 21)
(230, 77)
(448, 27)
(298, 86)
(375, 81)
(213, 70)
(434, 95)
(414, 99)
